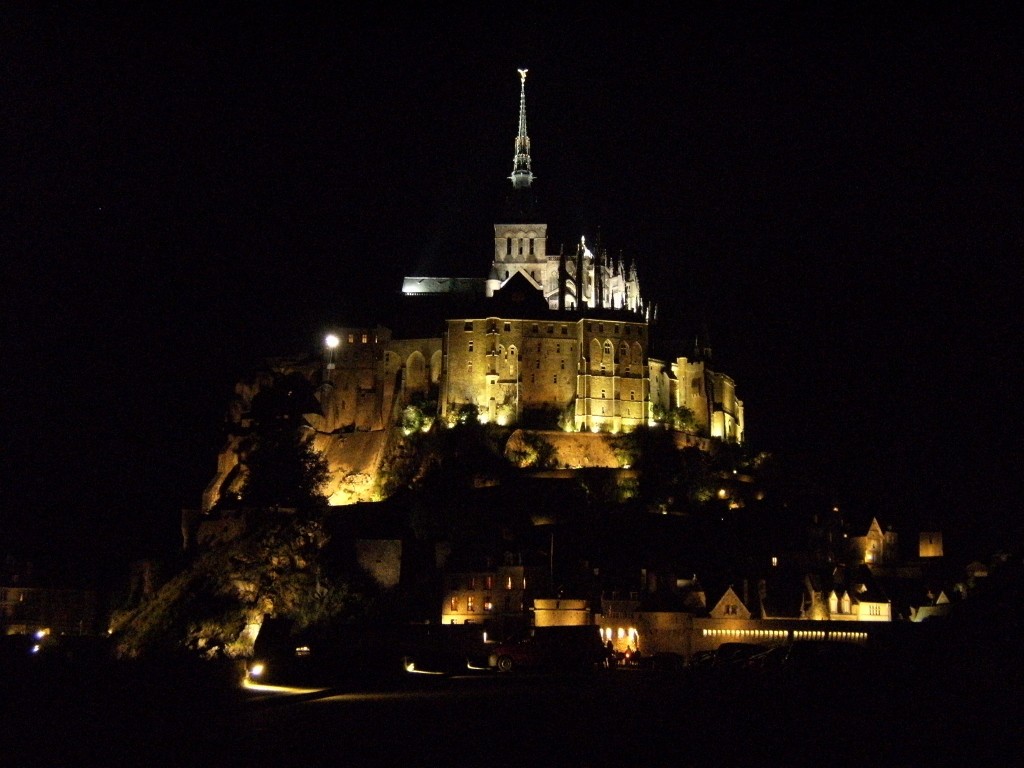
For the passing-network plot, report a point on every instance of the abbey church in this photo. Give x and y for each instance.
(556, 341)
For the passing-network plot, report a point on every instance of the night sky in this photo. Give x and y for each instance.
(834, 199)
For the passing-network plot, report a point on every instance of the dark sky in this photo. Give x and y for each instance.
(835, 198)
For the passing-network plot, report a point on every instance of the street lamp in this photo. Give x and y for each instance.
(331, 342)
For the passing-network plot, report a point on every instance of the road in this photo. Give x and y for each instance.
(605, 718)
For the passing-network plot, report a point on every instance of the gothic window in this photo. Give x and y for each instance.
(638, 353)
(608, 351)
(623, 353)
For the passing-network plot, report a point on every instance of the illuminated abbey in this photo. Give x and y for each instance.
(557, 341)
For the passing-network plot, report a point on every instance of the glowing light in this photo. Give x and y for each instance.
(256, 670)
(722, 493)
(332, 341)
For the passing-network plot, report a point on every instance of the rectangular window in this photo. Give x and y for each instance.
(468, 326)
(469, 367)
(364, 338)
(508, 327)
(554, 379)
(351, 338)
(531, 246)
(558, 349)
(565, 330)
(490, 582)
(536, 328)
(470, 604)
(470, 346)
(488, 605)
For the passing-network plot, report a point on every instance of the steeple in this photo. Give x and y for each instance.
(522, 176)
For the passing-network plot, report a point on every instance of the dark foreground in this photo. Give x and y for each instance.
(86, 712)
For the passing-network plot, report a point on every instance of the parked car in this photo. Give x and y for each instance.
(551, 648)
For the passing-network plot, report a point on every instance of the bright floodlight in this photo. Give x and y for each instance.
(332, 341)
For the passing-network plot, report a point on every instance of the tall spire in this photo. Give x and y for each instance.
(522, 176)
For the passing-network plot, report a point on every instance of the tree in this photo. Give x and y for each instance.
(282, 468)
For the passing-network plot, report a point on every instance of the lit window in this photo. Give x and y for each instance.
(453, 605)
(508, 583)
(470, 607)
(351, 338)
(490, 582)
(365, 337)
(488, 605)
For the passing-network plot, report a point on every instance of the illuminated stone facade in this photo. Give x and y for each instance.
(592, 371)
